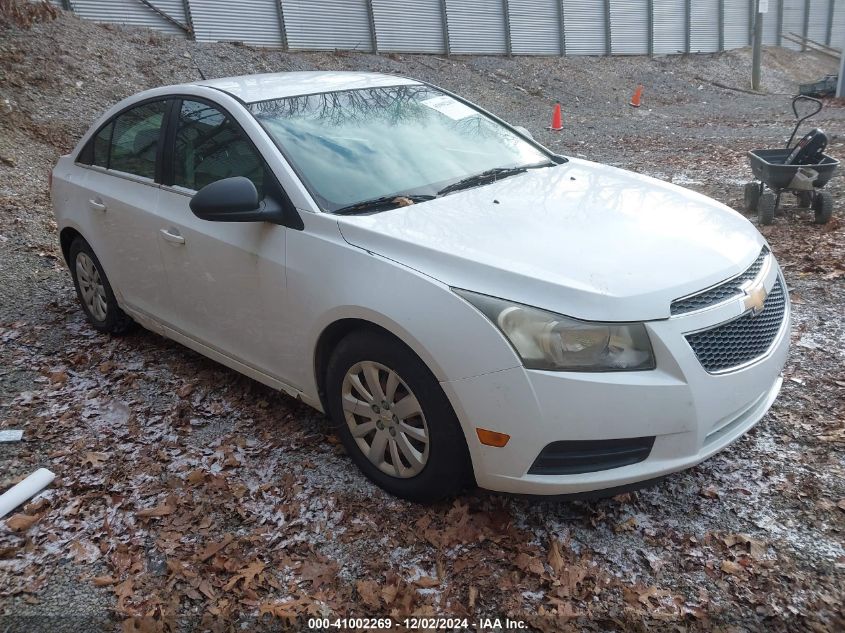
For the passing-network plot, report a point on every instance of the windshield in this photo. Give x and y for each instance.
(357, 145)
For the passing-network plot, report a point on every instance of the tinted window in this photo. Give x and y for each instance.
(210, 146)
(135, 139)
(100, 146)
(96, 150)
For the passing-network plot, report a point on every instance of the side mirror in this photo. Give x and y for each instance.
(524, 131)
(235, 200)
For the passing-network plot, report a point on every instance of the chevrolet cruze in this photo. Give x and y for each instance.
(465, 305)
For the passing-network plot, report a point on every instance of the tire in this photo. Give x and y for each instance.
(823, 206)
(766, 209)
(805, 199)
(440, 466)
(94, 291)
(751, 195)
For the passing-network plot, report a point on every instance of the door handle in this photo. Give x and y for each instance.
(96, 205)
(172, 237)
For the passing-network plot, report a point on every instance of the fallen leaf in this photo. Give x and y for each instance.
(555, 559)
(368, 590)
(730, 567)
(473, 596)
(318, 573)
(159, 511)
(196, 476)
(95, 459)
(103, 581)
(626, 526)
(530, 563)
(426, 582)
(21, 522)
(248, 575)
(210, 550)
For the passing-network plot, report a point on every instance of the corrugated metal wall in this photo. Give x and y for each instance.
(520, 27)
(476, 26)
(535, 26)
(837, 38)
(414, 26)
(629, 27)
(249, 21)
(818, 19)
(326, 24)
(133, 13)
(669, 26)
(793, 20)
(585, 27)
(704, 37)
(738, 23)
(770, 24)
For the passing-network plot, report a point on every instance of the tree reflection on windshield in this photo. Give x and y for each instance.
(356, 145)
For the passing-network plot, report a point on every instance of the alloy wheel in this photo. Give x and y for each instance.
(385, 419)
(91, 286)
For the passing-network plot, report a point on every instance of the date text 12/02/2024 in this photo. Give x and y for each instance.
(416, 623)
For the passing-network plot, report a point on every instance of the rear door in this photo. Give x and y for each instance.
(124, 160)
(227, 278)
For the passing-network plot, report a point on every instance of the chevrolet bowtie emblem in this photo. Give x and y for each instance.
(755, 297)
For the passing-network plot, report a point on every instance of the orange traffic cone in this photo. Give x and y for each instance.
(557, 119)
(637, 98)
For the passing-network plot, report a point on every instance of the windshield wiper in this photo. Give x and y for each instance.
(382, 203)
(491, 175)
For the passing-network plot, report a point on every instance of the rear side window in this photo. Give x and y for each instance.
(100, 146)
(134, 140)
(210, 146)
(129, 142)
(96, 150)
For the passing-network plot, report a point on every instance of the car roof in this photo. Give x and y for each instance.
(265, 86)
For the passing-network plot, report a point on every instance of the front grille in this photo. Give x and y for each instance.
(573, 457)
(721, 292)
(742, 340)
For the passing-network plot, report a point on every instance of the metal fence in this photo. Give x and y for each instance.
(511, 27)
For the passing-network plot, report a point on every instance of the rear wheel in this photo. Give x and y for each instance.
(752, 195)
(394, 419)
(766, 208)
(94, 291)
(823, 206)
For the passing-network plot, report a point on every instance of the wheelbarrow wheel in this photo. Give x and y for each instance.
(805, 199)
(823, 206)
(766, 208)
(752, 195)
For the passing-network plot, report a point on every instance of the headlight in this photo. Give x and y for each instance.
(545, 340)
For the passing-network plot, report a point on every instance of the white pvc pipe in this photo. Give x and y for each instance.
(25, 489)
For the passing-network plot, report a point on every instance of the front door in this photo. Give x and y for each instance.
(227, 278)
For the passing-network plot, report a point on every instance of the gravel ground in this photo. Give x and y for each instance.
(750, 540)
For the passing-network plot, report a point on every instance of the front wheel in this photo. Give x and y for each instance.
(751, 195)
(94, 291)
(394, 419)
(766, 208)
(823, 206)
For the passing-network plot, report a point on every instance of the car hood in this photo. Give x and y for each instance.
(582, 239)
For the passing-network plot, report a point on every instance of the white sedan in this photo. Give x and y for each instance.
(465, 305)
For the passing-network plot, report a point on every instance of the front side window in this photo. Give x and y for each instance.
(356, 145)
(211, 146)
(134, 139)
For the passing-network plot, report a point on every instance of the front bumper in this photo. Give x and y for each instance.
(691, 413)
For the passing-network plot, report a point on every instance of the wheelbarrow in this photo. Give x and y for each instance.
(801, 169)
